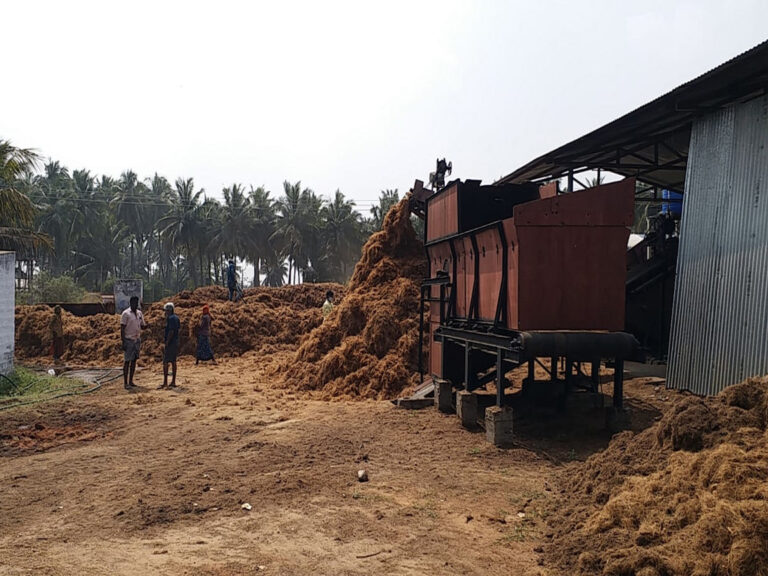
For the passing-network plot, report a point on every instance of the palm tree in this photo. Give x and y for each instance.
(181, 224)
(59, 216)
(158, 192)
(263, 211)
(100, 250)
(129, 203)
(341, 234)
(289, 224)
(237, 231)
(210, 225)
(274, 269)
(86, 213)
(17, 212)
(311, 249)
(387, 199)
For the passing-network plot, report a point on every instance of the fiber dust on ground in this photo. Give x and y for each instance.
(368, 346)
(688, 495)
(159, 485)
(266, 320)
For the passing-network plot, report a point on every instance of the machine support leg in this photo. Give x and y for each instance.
(531, 372)
(421, 336)
(500, 378)
(553, 369)
(466, 367)
(618, 384)
(596, 371)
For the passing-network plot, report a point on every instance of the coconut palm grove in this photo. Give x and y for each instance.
(81, 230)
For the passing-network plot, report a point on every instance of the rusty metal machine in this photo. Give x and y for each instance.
(519, 274)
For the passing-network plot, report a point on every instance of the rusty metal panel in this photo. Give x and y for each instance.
(461, 278)
(570, 260)
(435, 353)
(469, 272)
(720, 312)
(443, 213)
(571, 277)
(607, 205)
(510, 235)
(490, 270)
(440, 258)
(548, 190)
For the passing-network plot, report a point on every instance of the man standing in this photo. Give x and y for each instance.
(131, 323)
(57, 334)
(172, 327)
(328, 304)
(232, 281)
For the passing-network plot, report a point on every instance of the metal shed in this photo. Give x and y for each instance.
(708, 139)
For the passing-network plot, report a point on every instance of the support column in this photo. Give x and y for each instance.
(444, 395)
(499, 378)
(466, 408)
(528, 383)
(498, 426)
(466, 367)
(618, 384)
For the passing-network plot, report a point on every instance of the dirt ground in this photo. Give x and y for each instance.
(154, 482)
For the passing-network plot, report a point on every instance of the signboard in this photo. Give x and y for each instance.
(124, 289)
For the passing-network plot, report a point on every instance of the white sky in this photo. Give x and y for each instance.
(354, 95)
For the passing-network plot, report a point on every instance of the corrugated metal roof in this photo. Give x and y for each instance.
(651, 142)
(720, 311)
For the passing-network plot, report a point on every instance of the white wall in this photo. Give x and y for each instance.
(7, 303)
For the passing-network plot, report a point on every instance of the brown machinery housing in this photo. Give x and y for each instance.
(517, 273)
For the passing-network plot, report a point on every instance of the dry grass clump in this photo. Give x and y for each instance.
(368, 346)
(266, 319)
(686, 496)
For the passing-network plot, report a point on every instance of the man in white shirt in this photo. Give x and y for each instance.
(131, 323)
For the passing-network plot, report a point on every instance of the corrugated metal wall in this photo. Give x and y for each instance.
(720, 312)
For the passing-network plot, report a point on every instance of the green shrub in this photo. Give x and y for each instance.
(47, 288)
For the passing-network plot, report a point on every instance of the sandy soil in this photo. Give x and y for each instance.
(153, 482)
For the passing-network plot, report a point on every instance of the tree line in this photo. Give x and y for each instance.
(95, 229)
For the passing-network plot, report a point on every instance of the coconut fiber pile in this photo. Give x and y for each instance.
(266, 320)
(368, 345)
(687, 496)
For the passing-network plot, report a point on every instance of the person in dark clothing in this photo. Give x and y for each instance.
(57, 334)
(204, 350)
(232, 281)
(172, 329)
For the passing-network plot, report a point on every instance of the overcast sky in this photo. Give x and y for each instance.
(359, 96)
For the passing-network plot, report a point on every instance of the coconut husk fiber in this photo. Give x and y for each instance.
(687, 496)
(368, 346)
(265, 319)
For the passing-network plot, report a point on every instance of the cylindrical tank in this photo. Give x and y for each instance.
(675, 207)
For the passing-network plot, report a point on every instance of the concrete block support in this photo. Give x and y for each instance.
(444, 396)
(466, 408)
(498, 426)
